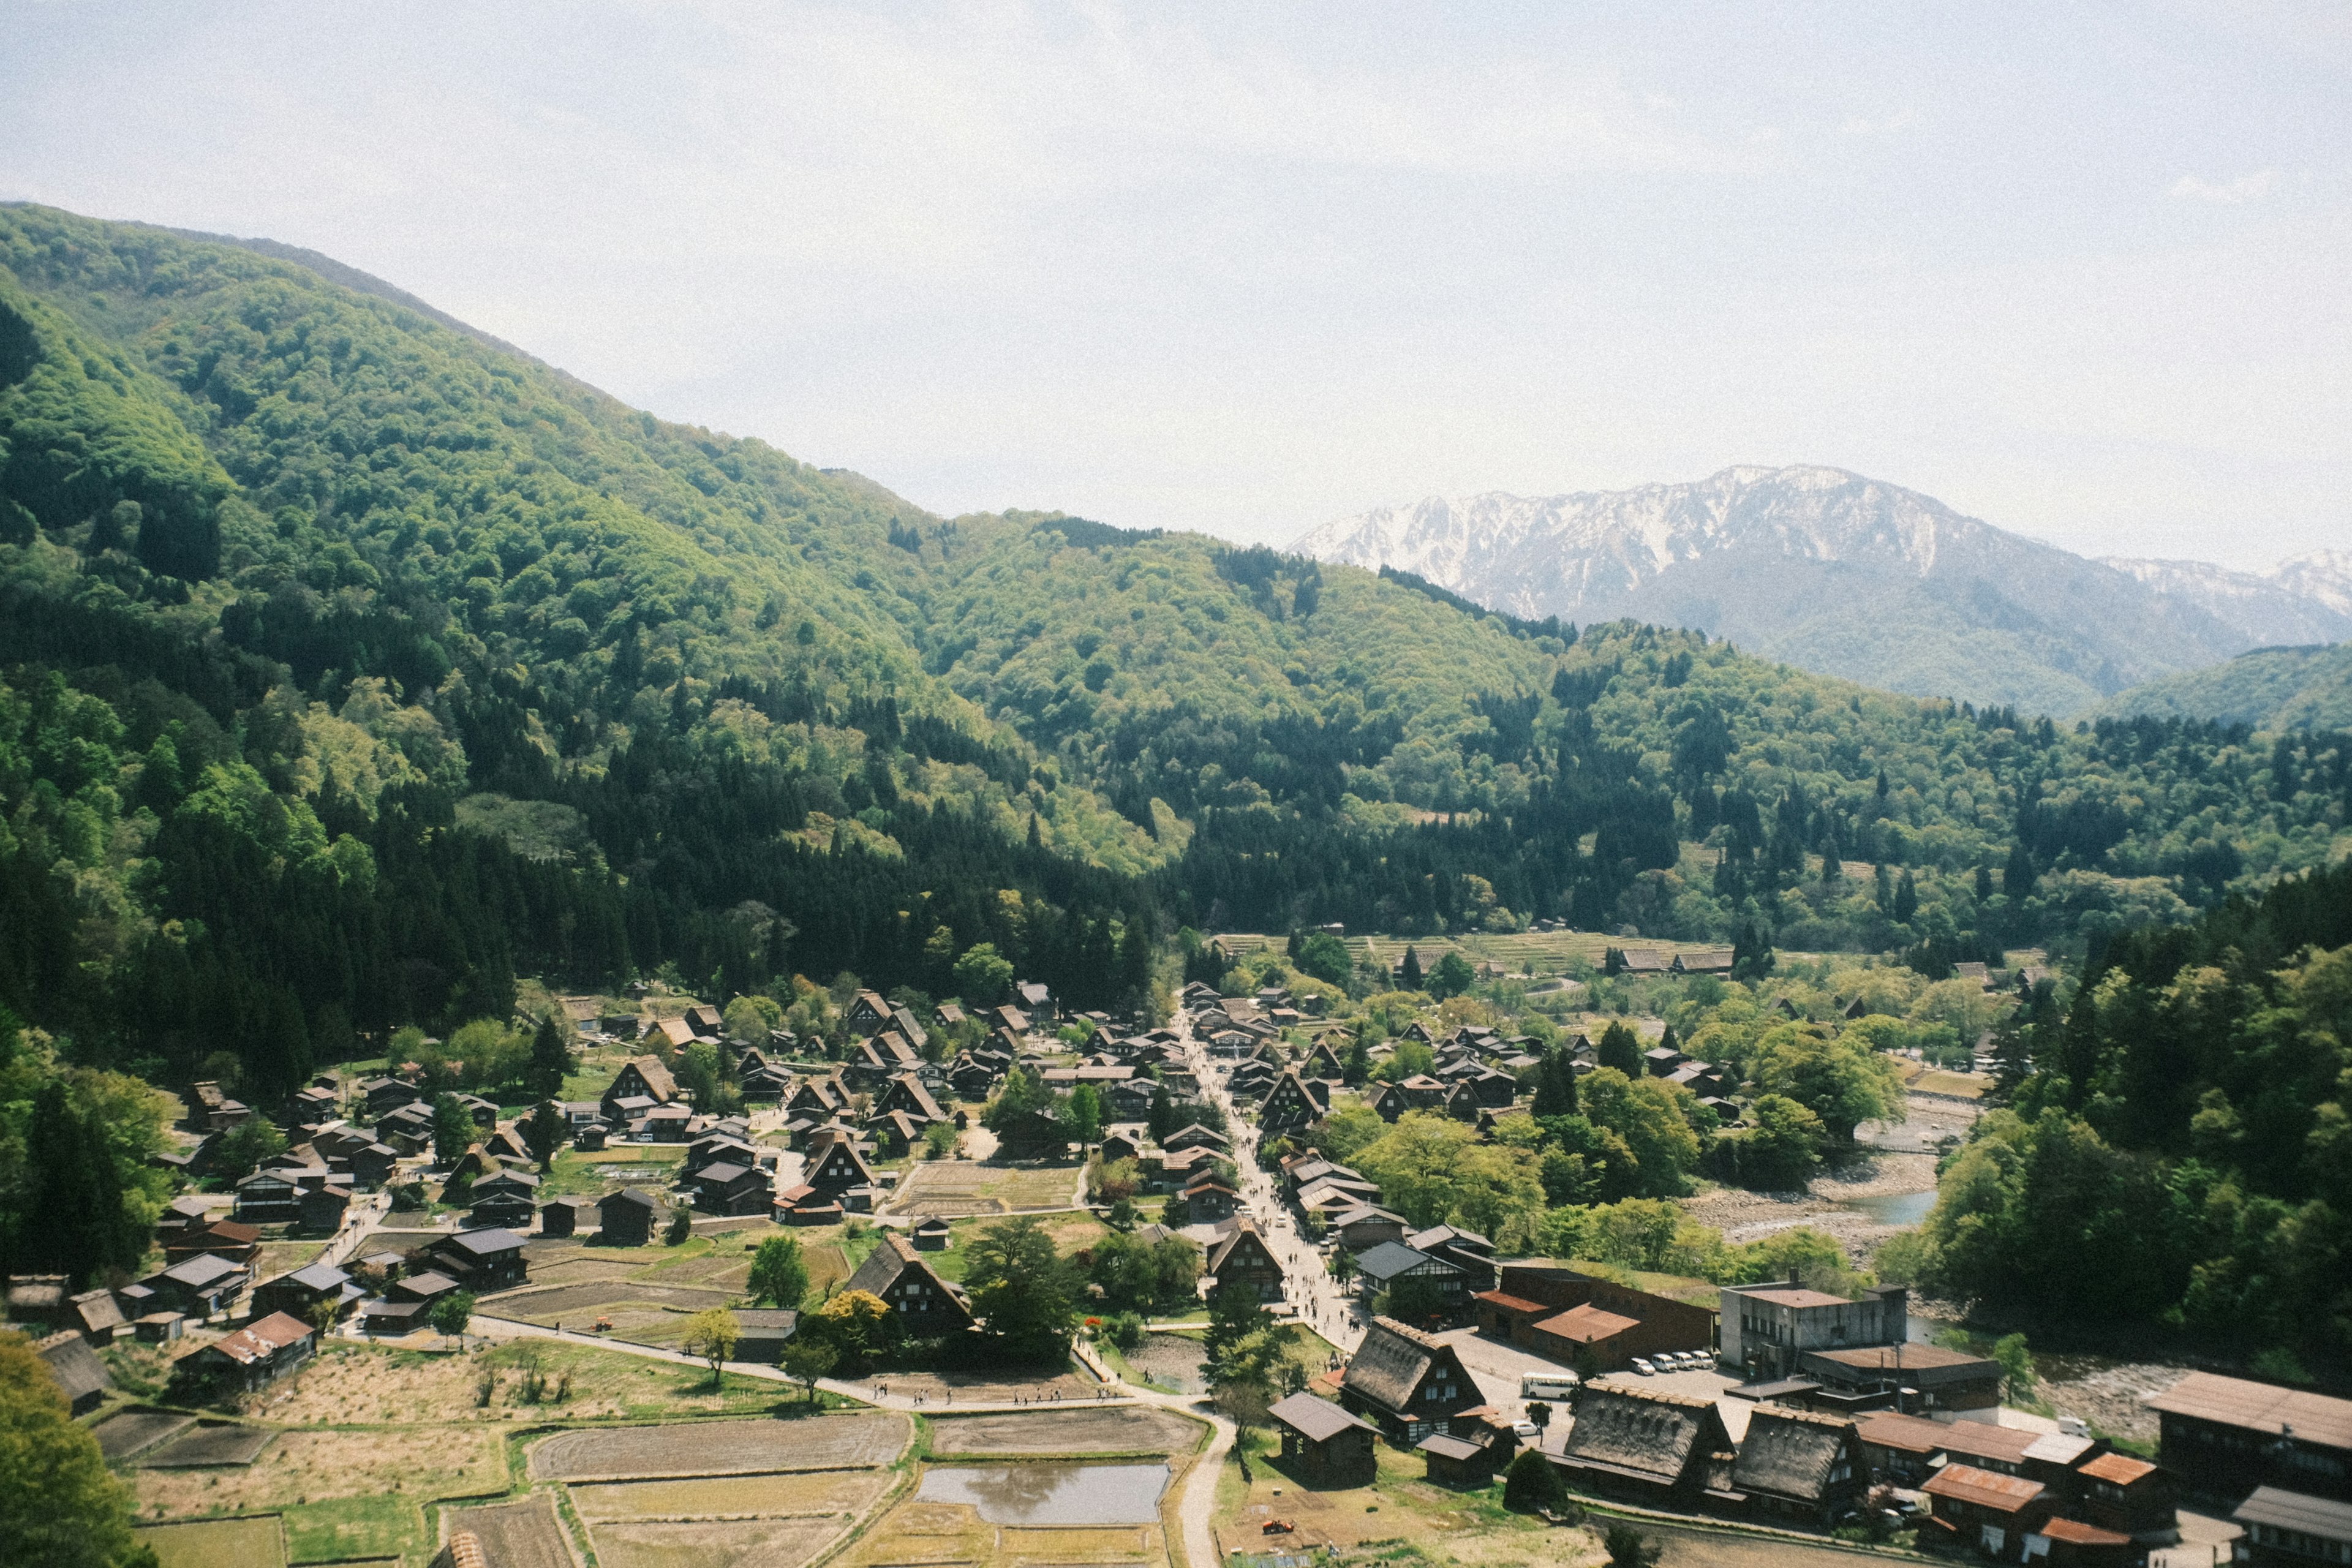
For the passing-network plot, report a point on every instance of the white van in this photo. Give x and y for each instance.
(1548, 1386)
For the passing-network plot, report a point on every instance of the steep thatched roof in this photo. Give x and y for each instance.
(79, 1373)
(1789, 1453)
(1641, 1435)
(885, 1264)
(1392, 1362)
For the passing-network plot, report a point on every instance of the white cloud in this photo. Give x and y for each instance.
(2245, 188)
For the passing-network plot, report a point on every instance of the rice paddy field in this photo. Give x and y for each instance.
(218, 1544)
(970, 1512)
(525, 1534)
(1132, 1429)
(134, 1432)
(844, 1441)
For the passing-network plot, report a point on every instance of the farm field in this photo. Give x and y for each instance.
(1169, 1359)
(711, 1544)
(965, 1189)
(524, 1534)
(740, 1485)
(132, 1431)
(209, 1444)
(926, 1533)
(807, 1492)
(847, 1440)
(351, 1383)
(1112, 1430)
(1051, 1186)
(934, 1534)
(217, 1544)
(275, 1257)
(358, 1491)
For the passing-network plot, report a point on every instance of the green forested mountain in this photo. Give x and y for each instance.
(2270, 689)
(2176, 1150)
(353, 665)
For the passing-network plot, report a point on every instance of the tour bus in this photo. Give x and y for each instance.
(1548, 1386)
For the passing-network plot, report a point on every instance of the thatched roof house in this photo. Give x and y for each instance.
(1794, 1464)
(1407, 1382)
(1651, 1446)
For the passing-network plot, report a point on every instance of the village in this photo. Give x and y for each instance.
(1430, 1379)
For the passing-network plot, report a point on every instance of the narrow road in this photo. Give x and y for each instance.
(1319, 1301)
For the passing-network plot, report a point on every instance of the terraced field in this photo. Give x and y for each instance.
(1119, 1430)
(712, 1543)
(525, 1534)
(722, 1448)
(119, 1436)
(217, 1544)
(796, 1495)
(210, 1444)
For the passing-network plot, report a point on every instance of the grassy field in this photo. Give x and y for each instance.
(576, 1173)
(1679, 1287)
(367, 1383)
(1070, 1232)
(276, 1257)
(961, 1189)
(218, 1544)
(343, 1492)
(1962, 1086)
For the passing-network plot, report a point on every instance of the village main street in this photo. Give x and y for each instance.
(1313, 1296)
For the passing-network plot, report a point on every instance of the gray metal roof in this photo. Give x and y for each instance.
(2322, 1517)
(1392, 1259)
(1317, 1420)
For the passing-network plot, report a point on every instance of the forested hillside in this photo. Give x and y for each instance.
(350, 666)
(2177, 1148)
(2270, 689)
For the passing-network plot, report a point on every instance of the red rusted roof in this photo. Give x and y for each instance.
(1985, 1489)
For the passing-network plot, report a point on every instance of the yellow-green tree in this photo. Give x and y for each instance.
(59, 1507)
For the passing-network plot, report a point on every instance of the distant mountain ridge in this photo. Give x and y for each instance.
(2271, 688)
(2299, 603)
(1851, 576)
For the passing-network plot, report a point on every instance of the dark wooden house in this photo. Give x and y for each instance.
(1322, 1445)
(1245, 1258)
(627, 1219)
(1651, 1448)
(925, 1305)
(1407, 1382)
(1798, 1467)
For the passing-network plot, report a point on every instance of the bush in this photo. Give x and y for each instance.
(1124, 1330)
(1532, 1483)
(1625, 1547)
(681, 1226)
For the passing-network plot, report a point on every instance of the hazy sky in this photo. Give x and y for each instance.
(2085, 272)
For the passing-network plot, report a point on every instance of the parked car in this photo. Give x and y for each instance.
(1643, 1366)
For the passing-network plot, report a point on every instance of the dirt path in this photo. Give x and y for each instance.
(1200, 1502)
